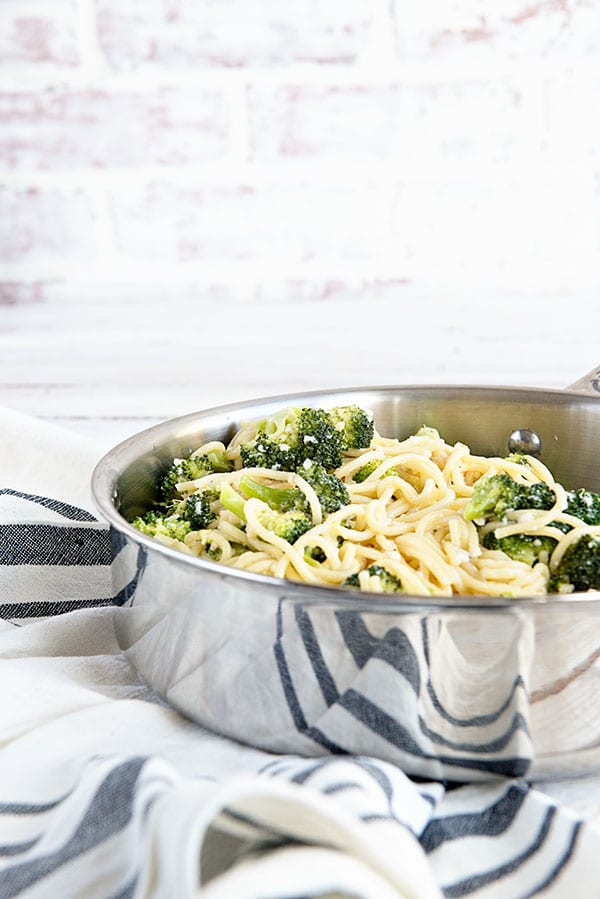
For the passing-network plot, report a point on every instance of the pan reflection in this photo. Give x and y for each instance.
(444, 694)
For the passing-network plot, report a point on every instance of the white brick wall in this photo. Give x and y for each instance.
(64, 129)
(302, 149)
(513, 29)
(39, 36)
(178, 34)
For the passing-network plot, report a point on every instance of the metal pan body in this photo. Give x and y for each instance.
(458, 688)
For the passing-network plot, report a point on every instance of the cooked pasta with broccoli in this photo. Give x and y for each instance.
(318, 496)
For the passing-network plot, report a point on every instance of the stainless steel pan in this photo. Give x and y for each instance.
(461, 688)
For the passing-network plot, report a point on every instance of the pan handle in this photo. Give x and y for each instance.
(589, 384)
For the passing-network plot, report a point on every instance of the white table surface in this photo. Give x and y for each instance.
(106, 368)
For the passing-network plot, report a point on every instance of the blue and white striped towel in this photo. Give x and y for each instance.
(107, 792)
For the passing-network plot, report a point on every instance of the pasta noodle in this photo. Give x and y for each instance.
(407, 516)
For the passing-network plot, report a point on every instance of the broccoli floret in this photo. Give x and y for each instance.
(282, 499)
(517, 458)
(287, 525)
(285, 441)
(318, 439)
(178, 518)
(494, 496)
(522, 547)
(214, 552)
(154, 523)
(585, 505)
(265, 452)
(274, 442)
(208, 545)
(196, 509)
(388, 581)
(354, 425)
(190, 469)
(539, 496)
(368, 468)
(331, 491)
(314, 555)
(579, 566)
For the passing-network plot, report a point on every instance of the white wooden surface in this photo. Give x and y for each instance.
(108, 368)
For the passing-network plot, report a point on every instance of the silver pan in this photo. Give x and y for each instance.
(458, 689)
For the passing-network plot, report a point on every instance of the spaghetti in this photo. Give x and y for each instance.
(407, 518)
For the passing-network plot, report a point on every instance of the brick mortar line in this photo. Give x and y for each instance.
(95, 62)
(250, 276)
(332, 175)
(419, 72)
(205, 272)
(239, 122)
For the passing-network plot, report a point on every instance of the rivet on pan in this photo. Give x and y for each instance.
(525, 441)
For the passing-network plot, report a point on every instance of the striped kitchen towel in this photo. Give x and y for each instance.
(105, 791)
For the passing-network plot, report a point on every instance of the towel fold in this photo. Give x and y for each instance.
(105, 791)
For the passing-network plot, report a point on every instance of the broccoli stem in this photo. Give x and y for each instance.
(230, 499)
(218, 460)
(280, 498)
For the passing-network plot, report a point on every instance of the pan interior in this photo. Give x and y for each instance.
(568, 426)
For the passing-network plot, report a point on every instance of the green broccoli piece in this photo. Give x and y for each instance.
(230, 499)
(517, 458)
(210, 547)
(354, 425)
(522, 547)
(585, 505)
(331, 491)
(539, 496)
(318, 439)
(285, 441)
(190, 469)
(154, 523)
(352, 581)
(196, 509)
(498, 494)
(265, 452)
(368, 468)
(527, 548)
(579, 566)
(493, 496)
(314, 555)
(289, 525)
(388, 581)
(282, 499)
(274, 442)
